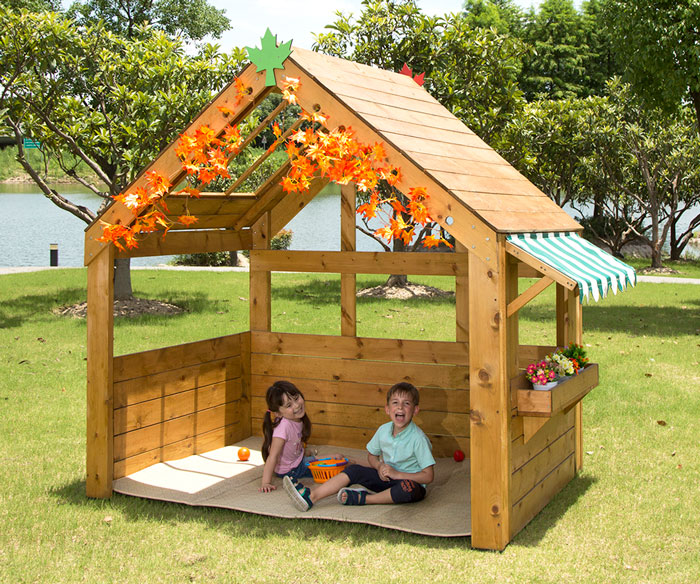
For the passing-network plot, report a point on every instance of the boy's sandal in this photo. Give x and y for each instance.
(352, 496)
(298, 493)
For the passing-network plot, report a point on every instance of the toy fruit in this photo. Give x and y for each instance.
(243, 454)
(458, 456)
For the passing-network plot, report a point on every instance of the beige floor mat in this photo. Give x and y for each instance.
(219, 479)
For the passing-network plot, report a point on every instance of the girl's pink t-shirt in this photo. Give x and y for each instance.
(293, 449)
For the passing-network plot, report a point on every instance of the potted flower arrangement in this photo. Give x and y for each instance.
(563, 366)
(577, 355)
(542, 375)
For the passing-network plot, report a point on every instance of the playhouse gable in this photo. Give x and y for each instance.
(474, 194)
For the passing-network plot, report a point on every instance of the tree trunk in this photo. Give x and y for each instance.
(122, 279)
(398, 280)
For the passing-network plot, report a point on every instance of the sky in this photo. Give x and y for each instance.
(298, 19)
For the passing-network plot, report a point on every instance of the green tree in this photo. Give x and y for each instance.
(546, 143)
(658, 42)
(555, 67)
(91, 97)
(648, 156)
(190, 19)
(504, 16)
(31, 5)
(600, 58)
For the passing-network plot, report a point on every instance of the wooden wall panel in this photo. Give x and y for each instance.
(345, 380)
(180, 400)
(535, 500)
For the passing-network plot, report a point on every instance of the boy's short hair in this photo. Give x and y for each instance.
(405, 388)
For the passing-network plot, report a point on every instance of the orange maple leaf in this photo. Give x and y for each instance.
(187, 220)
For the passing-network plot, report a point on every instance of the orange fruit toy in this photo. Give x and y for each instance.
(243, 454)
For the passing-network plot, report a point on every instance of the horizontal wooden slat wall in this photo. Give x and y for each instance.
(173, 402)
(345, 380)
(540, 467)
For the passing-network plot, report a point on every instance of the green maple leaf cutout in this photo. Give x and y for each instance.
(269, 57)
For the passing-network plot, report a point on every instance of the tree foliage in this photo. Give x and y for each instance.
(190, 19)
(90, 96)
(658, 42)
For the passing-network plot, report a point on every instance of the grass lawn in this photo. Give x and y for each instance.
(631, 515)
(689, 268)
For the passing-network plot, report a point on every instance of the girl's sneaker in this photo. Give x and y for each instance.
(299, 494)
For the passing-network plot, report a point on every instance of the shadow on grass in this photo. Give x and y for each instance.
(325, 292)
(237, 524)
(34, 306)
(662, 321)
(535, 531)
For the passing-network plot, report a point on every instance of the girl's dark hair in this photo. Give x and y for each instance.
(275, 398)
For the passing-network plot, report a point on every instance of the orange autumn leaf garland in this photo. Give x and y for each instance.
(203, 155)
(337, 155)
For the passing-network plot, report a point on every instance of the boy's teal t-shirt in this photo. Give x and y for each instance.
(410, 451)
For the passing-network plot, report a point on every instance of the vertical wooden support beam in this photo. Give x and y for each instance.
(260, 280)
(247, 394)
(570, 328)
(461, 300)
(489, 395)
(100, 353)
(513, 323)
(348, 282)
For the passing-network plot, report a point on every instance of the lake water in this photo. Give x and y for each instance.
(31, 223)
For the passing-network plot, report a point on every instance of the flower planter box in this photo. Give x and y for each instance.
(548, 403)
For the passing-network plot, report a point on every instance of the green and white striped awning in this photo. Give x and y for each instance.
(594, 270)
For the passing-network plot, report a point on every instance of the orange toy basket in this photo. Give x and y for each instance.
(325, 468)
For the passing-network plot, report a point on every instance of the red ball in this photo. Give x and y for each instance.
(458, 456)
(243, 454)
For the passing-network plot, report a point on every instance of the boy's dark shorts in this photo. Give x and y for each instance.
(402, 490)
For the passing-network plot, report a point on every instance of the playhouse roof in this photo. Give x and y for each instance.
(407, 117)
(474, 192)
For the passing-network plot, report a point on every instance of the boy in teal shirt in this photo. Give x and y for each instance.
(400, 460)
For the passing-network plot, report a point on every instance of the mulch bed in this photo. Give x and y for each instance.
(124, 308)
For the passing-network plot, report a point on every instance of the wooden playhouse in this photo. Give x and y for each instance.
(524, 446)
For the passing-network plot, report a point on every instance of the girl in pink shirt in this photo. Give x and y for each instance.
(286, 429)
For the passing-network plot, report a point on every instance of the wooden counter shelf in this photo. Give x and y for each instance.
(547, 403)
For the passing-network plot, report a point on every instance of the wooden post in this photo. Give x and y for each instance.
(100, 343)
(461, 300)
(489, 395)
(246, 393)
(348, 282)
(260, 280)
(570, 328)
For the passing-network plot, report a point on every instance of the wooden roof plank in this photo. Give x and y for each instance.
(526, 222)
(425, 131)
(489, 184)
(445, 163)
(366, 108)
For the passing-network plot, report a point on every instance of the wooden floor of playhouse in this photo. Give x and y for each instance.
(219, 479)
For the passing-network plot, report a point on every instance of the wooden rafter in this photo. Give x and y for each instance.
(262, 158)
